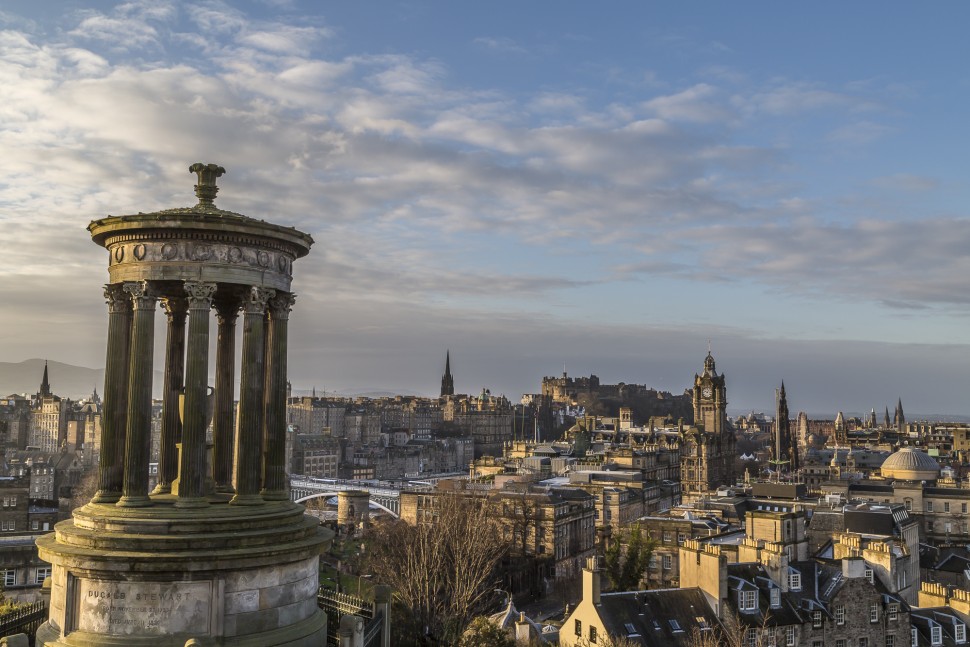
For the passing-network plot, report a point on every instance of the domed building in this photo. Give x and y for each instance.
(910, 464)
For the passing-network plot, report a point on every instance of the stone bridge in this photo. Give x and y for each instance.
(383, 496)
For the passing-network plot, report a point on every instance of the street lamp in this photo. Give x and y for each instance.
(359, 578)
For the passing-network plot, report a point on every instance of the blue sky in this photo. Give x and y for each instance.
(529, 184)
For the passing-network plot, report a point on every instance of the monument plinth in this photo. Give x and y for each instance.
(224, 557)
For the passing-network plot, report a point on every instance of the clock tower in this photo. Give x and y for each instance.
(707, 450)
(710, 399)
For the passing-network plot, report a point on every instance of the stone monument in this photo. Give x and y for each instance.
(216, 553)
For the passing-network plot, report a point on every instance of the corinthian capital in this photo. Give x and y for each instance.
(143, 295)
(280, 305)
(255, 302)
(199, 294)
(175, 307)
(116, 298)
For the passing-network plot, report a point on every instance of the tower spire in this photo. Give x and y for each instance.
(447, 381)
(45, 385)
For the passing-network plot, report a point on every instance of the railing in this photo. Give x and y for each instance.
(25, 619)
(340, 604)
(372, 631)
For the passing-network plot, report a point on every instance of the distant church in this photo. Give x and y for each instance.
(447, 381)
(707, 450)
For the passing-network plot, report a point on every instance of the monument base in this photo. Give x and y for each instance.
(161, 576)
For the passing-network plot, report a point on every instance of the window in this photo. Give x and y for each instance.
(681, 537)
(674, 625)
(592, 634)
(870, 576)
(579, 628)
(863, 642)
(909, 504)
(960, 632)
(772, 640)
(667, 562)
(35, 525)
(890, 640)
(840, 614)
(817, 643)
(963, 508)
(794, 580)
(914, 637)
(929, 506)
(668, 536)
(747, 600)
(816, 619)
(10, 578)
(43, 572)
(946, 506)
(789, 636)
(775, 594)
(893, 610)
(840, 643)
(936, 635)
(752, 637)
(874, 612)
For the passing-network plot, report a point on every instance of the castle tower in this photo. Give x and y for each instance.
(217, 552)
(447, 381)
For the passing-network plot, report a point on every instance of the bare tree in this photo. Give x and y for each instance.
(444, 572)
(731, 633)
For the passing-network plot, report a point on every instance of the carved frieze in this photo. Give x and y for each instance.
(189, 251)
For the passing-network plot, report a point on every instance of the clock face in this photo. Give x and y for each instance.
(707, 392)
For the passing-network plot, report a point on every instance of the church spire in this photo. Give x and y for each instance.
(45, 385)
(447, 381)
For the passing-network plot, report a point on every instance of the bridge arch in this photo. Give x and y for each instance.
(320, 495)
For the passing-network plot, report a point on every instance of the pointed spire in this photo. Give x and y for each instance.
(447, 381)
(45, 385)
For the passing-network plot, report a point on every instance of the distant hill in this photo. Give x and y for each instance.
(69, 381)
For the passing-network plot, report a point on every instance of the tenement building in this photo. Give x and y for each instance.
(216, 551)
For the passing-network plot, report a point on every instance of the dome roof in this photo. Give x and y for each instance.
(910, 464)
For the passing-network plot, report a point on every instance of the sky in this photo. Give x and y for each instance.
(602, 187)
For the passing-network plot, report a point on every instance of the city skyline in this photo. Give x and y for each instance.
(522, 185)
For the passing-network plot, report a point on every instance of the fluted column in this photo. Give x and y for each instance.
(175, 308)
(192, 466)
(274, 400)
(134, 491)
(114, 411)
(251, 384)
(223, 425)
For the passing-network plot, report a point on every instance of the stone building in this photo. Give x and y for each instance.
(554, 526)
(814, 603)
(707, 451)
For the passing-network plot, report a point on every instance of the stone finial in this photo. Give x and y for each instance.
(206, 188)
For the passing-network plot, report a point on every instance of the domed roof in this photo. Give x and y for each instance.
(910, 464)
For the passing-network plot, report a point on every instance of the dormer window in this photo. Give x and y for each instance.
(747, 600)
(936, 635)
(775, 594)
(794, 580)
(870, 576)
(960, 633)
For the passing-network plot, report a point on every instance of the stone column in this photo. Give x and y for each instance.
(250, 424)
(192, 466)
(115, 408)
(274, 403)
(175, 308)
(134, 491)
(223, 425)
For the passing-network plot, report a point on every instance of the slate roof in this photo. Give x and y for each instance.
(661, 618)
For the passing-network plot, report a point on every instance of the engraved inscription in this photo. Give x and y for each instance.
(144, 608)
